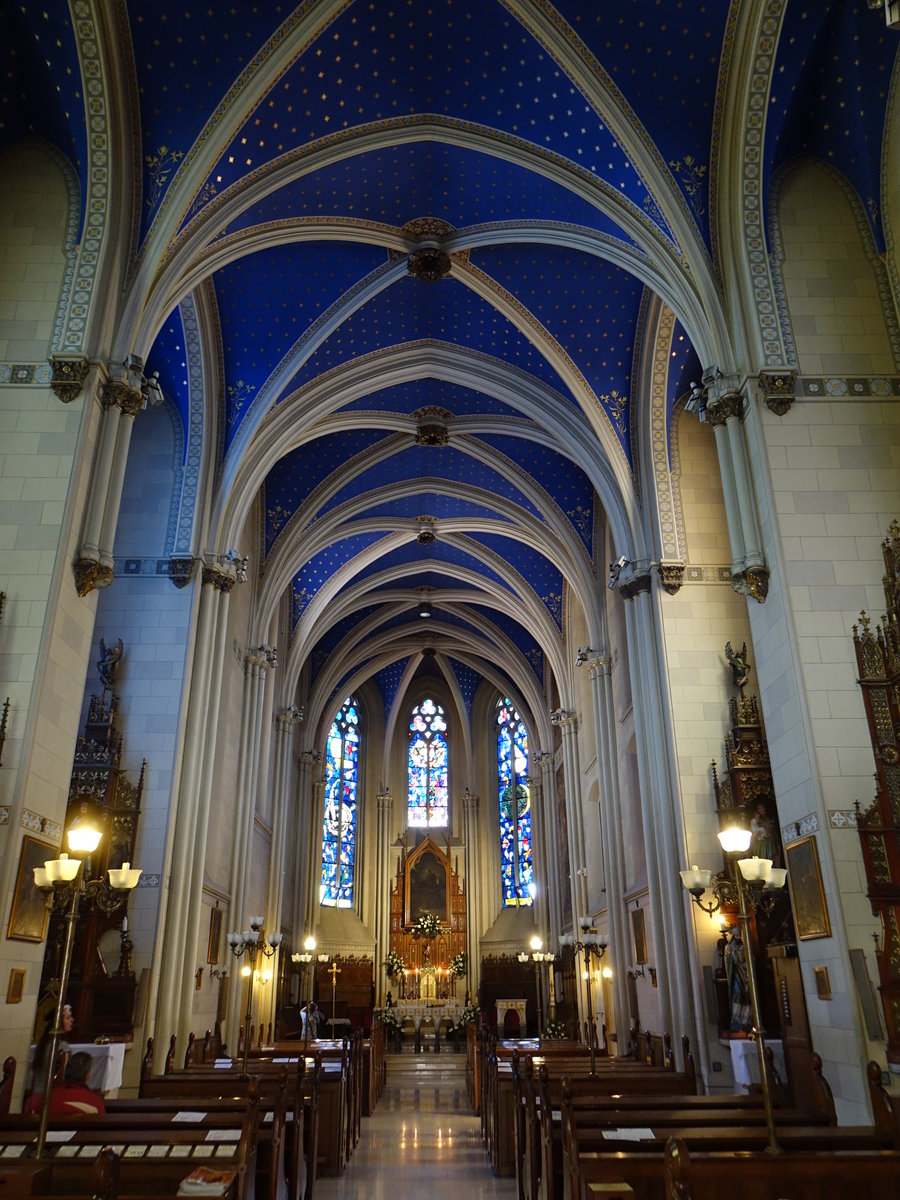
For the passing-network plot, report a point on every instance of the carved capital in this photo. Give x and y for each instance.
(635, 585)
(181, 571)
(118, 393)
(91, 576)
(69, 375)
(310, 757)
(222, 581)
(429, 264)
(777, 388)
(724, 407)
(752, 582)
(671, 576)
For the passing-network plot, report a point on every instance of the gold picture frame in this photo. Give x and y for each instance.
(807, 893)
(15, 989)
(215, 935)
(823, 983)
(29, 915)
(639, 935)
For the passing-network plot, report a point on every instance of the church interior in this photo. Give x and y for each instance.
(450, 472)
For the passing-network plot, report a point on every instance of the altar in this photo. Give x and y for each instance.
(423, 1014)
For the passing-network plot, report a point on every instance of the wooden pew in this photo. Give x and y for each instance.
(299, 1088)
(6, 1084)
(336, 1111)
(596, 1162)
(503, 1101)
(810, 1175)
(155, 1156)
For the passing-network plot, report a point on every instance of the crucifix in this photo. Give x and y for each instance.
(334, 970)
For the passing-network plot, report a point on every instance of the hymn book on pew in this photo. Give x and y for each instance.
(205, 1182)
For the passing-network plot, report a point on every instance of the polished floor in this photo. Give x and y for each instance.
(422, 1141)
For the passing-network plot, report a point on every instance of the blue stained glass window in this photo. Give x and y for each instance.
(339, 828)
(516, 866)
(428, 790)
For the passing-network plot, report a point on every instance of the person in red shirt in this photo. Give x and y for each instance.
(71, 1097)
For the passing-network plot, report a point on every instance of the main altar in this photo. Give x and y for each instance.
(428, 931)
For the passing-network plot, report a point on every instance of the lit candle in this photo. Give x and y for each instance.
(124, 924)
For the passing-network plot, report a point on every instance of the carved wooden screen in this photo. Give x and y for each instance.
(419, 876)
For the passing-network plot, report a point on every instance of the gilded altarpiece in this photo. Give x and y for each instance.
(878, 663)
(428, 882)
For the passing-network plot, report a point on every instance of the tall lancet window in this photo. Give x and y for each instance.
(339, 831)
(516, 867)
(427, 801)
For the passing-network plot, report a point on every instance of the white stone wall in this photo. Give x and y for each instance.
(828, 480)
(46, 629)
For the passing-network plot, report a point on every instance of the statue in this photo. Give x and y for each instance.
(110, 656)
(740, 667)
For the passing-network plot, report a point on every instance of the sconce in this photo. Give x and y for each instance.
(636, 971)
(198, 977)
(217, 973)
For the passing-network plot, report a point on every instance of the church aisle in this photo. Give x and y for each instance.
(423, 1139)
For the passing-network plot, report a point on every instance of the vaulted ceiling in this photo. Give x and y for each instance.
(393, 262)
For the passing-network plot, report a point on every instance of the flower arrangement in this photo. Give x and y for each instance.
(459, 964)
(555, 1030)
(390, 1018)
(468, 1016)
(427, 926)
(393, 964)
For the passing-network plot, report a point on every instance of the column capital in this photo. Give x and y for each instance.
(544, 759)
(215, 576)
(753, 582)
(726, 406)
(263, 656)
(91, 575)
(384, 801)
(601, 665)
(289, 716)
(309, 758)
(119, 392)
(470, 800)
(635, 584)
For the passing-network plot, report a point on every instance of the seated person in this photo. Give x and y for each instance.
(38, 1071)
(72, 1095)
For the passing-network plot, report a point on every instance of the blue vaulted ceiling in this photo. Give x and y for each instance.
(436, 437)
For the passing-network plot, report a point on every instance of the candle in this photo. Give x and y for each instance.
(124, 924)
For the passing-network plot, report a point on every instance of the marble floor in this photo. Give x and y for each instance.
(422, 1141)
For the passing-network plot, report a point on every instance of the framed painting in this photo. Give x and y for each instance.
(15, 989)
(807, 893)
(29, 915)
(639, 935)
(215, 934)
(428, 884)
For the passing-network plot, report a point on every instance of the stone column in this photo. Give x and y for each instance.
(317, 814)
(611, 839)
(257, 664)
(473, 892)
(567, 722)
(725, 410)
(122, 400)
(680, 1000)
(174, 957)
(285, 724)
(551, 911)
(304, 917)
(382, 860)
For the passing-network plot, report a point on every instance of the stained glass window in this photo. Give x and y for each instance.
(428, 792)
(339, 829)
(516, 867)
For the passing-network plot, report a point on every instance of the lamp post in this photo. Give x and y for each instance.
(252, 942)
(63, 880)
(334, 970)
(306, 958)
(590, 945)
(537, 956)
(753, 877)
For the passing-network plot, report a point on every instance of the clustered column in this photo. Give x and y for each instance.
(254, 742)
(309, 846)
(473, 890)
(190, 812)
(679, 989)
(612, 842)
(383, 887)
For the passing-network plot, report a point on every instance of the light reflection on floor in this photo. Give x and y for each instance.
(422, 1141)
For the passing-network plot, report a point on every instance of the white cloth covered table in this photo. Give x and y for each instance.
(745, 1061)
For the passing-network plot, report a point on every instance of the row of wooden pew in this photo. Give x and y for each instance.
(637, 1129)
(268, 1133)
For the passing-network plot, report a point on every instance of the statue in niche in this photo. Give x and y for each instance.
(108, 662)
